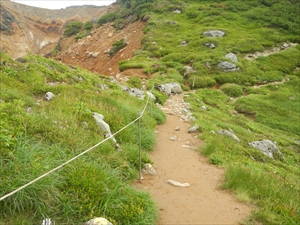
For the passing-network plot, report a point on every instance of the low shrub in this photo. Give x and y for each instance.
(232, 90)
(117, 46)
(134, 82)
(73, 28)
(109, 17)
(201, 82)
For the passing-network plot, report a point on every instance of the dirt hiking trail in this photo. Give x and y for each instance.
(203, 202)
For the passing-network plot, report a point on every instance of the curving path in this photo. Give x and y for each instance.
(200, 203)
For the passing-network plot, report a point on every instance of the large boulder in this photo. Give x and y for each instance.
(214, 33)
(170, 88)
(232, 57)
(227, 66)
(267, 147)
(229, 134)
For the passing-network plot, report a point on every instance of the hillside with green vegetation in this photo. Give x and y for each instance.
(258, 101)
(37, 136)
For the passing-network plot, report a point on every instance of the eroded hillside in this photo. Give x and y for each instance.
(29, 29)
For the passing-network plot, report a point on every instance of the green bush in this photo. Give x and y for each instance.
(109, 17)
(134, 82)
(117, 46)
(73, 28)
(232, 90)
(201, 82)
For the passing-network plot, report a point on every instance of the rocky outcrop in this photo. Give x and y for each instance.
(267, 147)
(6, 21)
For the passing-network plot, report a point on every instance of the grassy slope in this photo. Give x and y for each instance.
(97, 184)
(269, 112)
(49, 135)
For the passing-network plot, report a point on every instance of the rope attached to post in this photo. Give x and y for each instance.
(67, 162)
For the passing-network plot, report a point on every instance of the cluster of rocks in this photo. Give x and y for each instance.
(180, 108)
(267, 147)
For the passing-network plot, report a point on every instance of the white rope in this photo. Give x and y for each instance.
(67, 162)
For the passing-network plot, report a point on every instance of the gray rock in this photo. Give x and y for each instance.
(193, 129)
(227, 66)
(177, 11)
(284, 46)
(49, 96)
(136, 93)
(170, 88)
(184, 43)
(209, 45)
(177, 128)
(230, 134)
(267, 147)
(232, 57)
(203, 108)
(149, 169)
(188, 70)
(214, 33)
(104, 127)
(98, 221)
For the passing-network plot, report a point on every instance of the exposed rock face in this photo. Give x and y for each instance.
(6, 20)
(267, 147)
(170, 88)
(214, 33)
(227, 66)
(98, 221)
(229, 134)
(232, 57)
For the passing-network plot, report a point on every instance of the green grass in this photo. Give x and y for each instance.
(54, 132)
(32, 143)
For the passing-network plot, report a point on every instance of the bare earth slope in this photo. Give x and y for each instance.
(30, 29)
(200, 203)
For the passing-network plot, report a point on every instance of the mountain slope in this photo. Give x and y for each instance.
(29, 29)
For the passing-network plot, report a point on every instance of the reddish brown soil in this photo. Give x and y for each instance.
(203, 202)
(100, 41)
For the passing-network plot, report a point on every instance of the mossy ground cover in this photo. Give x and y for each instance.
(37, 136)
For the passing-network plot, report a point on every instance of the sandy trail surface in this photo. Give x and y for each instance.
(203, 202)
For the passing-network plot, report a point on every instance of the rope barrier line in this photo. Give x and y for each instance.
(67, 162)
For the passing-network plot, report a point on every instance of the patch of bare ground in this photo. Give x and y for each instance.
(203, 202)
